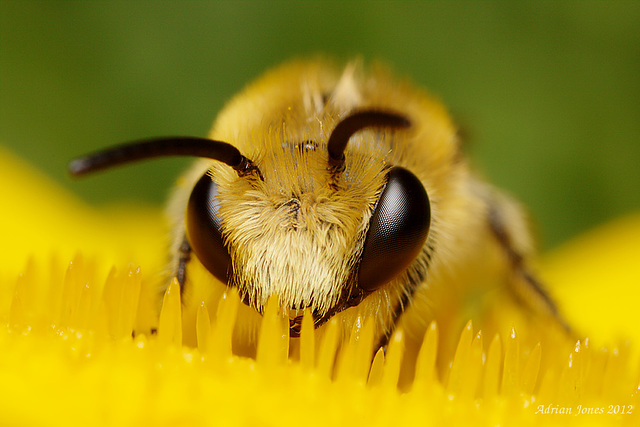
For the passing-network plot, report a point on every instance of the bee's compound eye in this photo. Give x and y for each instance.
(397, 230)
(203, 223)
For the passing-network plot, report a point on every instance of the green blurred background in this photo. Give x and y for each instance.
(549, 92)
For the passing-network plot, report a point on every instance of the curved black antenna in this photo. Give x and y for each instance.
(163, 147)
(352, 124)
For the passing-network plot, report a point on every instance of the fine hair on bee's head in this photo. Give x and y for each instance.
(312, 225)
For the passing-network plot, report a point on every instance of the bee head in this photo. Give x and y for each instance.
(324, 243)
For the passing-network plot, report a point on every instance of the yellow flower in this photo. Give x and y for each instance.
(67, 356)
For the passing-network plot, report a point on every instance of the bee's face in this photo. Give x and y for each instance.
(317, 236)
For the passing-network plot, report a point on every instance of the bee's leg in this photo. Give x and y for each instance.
(383, 342)
(403, 304)
(180, 272)
(184, 255)
(524, 283)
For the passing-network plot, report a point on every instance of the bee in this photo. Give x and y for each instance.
(343, 191)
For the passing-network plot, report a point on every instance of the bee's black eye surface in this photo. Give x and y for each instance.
(204, 234)
(397, 230)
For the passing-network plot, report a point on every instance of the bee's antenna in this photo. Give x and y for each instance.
(352, 124)
(163, 147)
